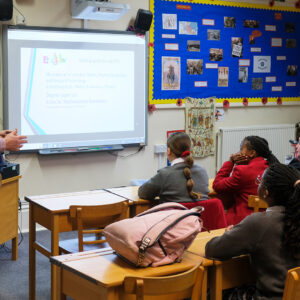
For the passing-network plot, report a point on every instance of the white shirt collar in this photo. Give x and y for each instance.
(278, 208)
(177, 161)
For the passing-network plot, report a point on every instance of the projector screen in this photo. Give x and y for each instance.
(74, 88)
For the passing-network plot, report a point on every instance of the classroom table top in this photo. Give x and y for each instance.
(60, 203)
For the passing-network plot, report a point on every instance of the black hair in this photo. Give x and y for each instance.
(280, 181)
(178, 143)
(261, 147)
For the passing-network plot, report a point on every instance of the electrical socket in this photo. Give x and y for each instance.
(160, 148)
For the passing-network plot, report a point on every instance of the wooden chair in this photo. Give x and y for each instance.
(179, 286)
(256, 203)
(91, 220)
(292, 285)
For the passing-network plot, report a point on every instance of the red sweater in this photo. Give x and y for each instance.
(239, 181)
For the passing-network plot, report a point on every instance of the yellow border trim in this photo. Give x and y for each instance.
(220, 3)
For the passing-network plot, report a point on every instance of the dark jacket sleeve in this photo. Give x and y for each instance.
(151, 189)
(295, 163)
(242, 239)
(225, 181)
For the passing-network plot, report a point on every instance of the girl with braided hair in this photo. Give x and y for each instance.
(236, 178)
(183, 181)
(271, 238)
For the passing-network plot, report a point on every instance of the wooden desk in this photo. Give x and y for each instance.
(221, 275)
(9, 196)
(52, 212)
(100, 275)
(137, 205)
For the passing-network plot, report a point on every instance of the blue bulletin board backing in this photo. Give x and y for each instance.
(243, 53)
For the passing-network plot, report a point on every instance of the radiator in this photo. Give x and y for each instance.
(278, 136)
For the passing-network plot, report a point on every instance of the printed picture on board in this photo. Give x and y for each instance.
(169, 21)
(213, 35)
(170, 73)
(215, 54)
(189, 28)
(257, 83)
(237, 46)
(223, 74)
(194, 66)
(243, 74)
(289, 27)
(292, 70)
(291, 43)
(251, 23)
(193, 46)
(229, 22)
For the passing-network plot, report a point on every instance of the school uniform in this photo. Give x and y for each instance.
(260, 236)
(239, 181)
(169, 184)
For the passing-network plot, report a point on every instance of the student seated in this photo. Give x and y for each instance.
(237, 177)
(182, 181)
(271, 238)
(295, 162)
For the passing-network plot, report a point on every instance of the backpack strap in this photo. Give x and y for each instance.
(157, 230)
(163, 206)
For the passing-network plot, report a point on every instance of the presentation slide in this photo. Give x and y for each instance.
(60, 86)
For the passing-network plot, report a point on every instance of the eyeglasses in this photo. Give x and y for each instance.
(258, 180)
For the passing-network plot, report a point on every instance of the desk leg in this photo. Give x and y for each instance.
(14, 248)
(215, 281)
(32, 238)
(55, 295)
(204, 285)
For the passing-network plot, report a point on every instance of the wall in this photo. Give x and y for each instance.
(66, 173)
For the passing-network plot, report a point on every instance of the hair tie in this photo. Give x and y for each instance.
(296, 182)
(185, 153)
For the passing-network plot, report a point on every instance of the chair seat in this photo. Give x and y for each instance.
(71, 245)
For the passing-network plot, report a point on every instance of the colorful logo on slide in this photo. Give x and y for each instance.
(55, 59)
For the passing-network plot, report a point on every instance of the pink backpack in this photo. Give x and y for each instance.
(157, 236)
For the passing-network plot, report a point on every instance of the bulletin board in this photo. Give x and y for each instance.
(240, 53)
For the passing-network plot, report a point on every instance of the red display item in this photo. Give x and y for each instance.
(151, 107)
(271, 3)
(279, 101)
(245, 102)
(179, 102)
(297, 4)
(226, 103)
(264, 100)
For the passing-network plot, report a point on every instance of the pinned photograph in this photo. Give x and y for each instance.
(237, 46)
(170, 73)
(229, 22)
(291, 43)
(223, 74)
(251, 39)
(243, 74)
(257, 83)
(194, 66)
(213, 35)
(169, 21)
(289, 27)
(292, 70)
(193, 46)
(190, 28)
(215, 54)
(251, 23)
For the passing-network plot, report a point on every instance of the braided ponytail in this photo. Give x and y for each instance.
(180, 144)
(280, 181)
(261, 146)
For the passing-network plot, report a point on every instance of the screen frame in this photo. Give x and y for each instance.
(6, 120)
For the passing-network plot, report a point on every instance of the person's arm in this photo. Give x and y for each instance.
(4, 133)
(151, 189)
(2, 145)
(241, 239)
(225, 181)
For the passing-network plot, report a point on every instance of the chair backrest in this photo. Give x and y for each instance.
(256, 203)
(96, 217)
(179, 286)
(292, 285)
